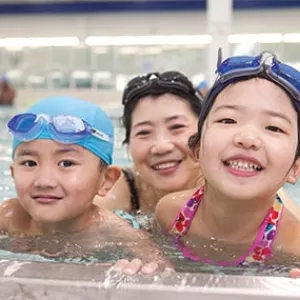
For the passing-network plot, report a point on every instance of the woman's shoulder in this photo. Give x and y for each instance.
(170, 206)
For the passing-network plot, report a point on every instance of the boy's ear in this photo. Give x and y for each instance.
(295, 172)
(109, 178)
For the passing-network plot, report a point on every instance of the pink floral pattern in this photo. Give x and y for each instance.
(260, 250)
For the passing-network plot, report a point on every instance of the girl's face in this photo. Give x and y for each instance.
(249, 140)
(158, 142)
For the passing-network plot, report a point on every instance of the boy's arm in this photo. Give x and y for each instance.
(146, 250)
(7, 209)
(13, 218)
(138, 244)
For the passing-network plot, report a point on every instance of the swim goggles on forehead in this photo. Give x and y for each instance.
(171, 80)
(64, 129)
(265, 64)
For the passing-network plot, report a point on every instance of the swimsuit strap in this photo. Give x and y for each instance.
(134, 195)
(185, 217)
(261, 248)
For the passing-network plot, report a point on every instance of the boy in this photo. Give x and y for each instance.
(62, 155)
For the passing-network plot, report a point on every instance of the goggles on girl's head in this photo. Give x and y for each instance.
(266, 65)
(170, 80)
(64, 129)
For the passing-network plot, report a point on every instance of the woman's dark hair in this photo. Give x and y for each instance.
(157, 84)
(194, 140)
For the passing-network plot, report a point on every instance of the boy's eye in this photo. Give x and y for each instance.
(227, 121)
(29, 163)
(66, 163)
(274, 129)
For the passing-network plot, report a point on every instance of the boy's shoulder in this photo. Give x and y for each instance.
(10, 211)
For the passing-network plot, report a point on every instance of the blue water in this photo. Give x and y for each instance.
(294, 191)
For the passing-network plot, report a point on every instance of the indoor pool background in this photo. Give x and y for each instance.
(121, 158)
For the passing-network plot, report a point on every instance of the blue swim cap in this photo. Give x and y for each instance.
(91, 113)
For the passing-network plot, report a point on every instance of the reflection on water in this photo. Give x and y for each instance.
(113, 254)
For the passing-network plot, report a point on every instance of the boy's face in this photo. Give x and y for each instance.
(57, 182)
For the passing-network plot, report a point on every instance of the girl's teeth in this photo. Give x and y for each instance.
(244, 165)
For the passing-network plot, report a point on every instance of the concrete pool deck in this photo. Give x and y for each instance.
(58, 281)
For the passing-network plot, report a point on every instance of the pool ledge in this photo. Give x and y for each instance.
(42, 280)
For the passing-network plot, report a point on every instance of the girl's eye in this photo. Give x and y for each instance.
(227, 121)
(274, 129)
(66, 163)
(29, 163)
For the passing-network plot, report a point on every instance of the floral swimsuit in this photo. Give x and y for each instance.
(261, 248)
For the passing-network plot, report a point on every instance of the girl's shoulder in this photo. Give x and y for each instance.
(170, 206)
(289, 203)
(288, 236)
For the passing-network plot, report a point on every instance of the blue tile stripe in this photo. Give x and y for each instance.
(102, 6)
(134, 6)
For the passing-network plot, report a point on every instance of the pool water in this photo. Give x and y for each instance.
(121, 157)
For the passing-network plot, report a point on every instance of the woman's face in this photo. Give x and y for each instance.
(158, 142)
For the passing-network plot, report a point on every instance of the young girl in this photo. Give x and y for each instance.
(247, 146)
(62, 155)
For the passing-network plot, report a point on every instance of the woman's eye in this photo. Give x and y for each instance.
(29, 163)
(143, 132)
(66, 163)
(177, 126)
(274, 129)
(227, 121)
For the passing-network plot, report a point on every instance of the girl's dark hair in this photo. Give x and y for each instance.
(157, 84)
(194, 140)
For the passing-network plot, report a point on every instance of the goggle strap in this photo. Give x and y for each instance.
(101, 135)
(219, 57)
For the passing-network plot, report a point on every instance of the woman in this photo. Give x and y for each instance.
(160, 114)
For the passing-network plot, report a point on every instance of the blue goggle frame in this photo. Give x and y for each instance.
(64, 129)
(265, 64)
